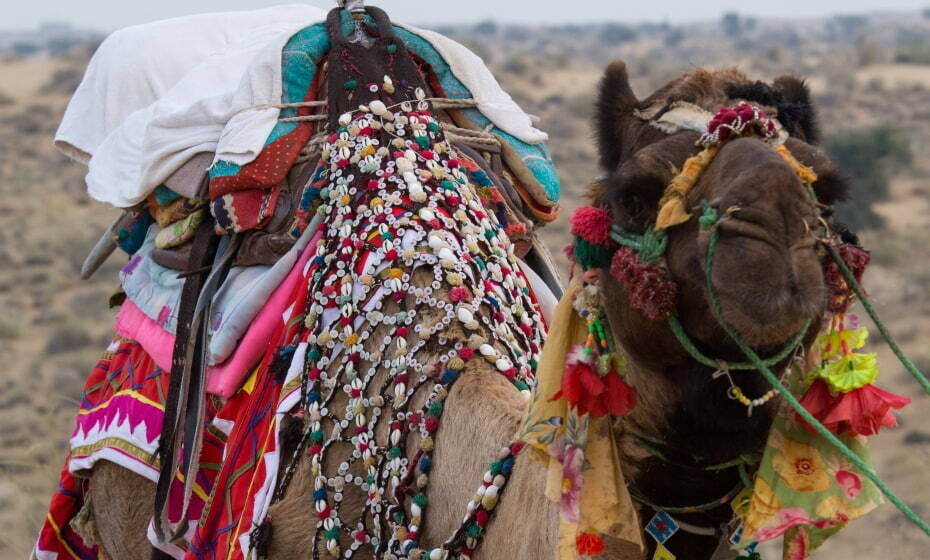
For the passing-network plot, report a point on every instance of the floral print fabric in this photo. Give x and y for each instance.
(597, 518)
(805, 489)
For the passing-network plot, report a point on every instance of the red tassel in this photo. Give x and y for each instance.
(863, 411)
(621, 396)
(591, 394)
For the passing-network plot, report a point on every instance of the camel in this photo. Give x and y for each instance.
(770, 285)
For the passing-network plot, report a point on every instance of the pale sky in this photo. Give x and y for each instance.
(111, 14)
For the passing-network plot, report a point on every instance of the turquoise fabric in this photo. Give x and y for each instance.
(164, 195)
(300, 60)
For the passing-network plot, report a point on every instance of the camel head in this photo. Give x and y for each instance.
(766, 272)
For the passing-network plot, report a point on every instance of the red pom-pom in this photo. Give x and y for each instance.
(646, 284)
(863, 411)
(592, 224)
(459, 293)
(621, 396)
(745, 112)
(589, 393)
(482, 517)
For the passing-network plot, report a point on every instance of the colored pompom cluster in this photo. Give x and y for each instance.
(592, 224)
(741, 120)
(841, 395)
(589, 391)
(647, 284)
(591, 228)
(840, 294)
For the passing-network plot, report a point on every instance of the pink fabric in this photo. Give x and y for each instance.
(226, 378)
(134, 324)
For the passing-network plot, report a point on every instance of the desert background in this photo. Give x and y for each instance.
(870, 74)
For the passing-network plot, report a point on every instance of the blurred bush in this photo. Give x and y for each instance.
(616, 33)
(870, 157)
(917, 52)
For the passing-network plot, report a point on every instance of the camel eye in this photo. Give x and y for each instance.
(634, 197)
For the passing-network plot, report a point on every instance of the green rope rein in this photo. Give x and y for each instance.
(649, 246)
(679, 331)
(792, 400)
(870, 309)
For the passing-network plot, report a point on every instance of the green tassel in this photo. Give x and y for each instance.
(590, 255)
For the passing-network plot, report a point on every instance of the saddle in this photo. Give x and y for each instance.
(259, 211)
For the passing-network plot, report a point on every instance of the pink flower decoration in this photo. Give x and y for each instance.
(572, 462)
(787, 518)
(849, 482)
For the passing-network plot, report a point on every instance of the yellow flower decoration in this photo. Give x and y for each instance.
(850, 372)
(831, 344)
(763, 506)
(801, 467)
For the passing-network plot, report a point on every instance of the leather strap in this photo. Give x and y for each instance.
(185, 404)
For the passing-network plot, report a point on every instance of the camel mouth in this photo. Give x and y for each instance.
(767, 292)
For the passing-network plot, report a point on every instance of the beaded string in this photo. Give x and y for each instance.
(393, 212)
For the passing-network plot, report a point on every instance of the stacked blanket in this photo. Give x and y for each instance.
(156, 95)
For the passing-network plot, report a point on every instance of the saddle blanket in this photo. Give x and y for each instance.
(156, 95)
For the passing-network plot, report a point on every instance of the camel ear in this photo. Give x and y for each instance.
(832, 185)
(615, 104)
(797, 111)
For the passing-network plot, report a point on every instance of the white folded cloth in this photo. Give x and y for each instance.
(156, 95)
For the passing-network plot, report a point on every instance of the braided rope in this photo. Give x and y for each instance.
(679, 331)
(649, 246)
